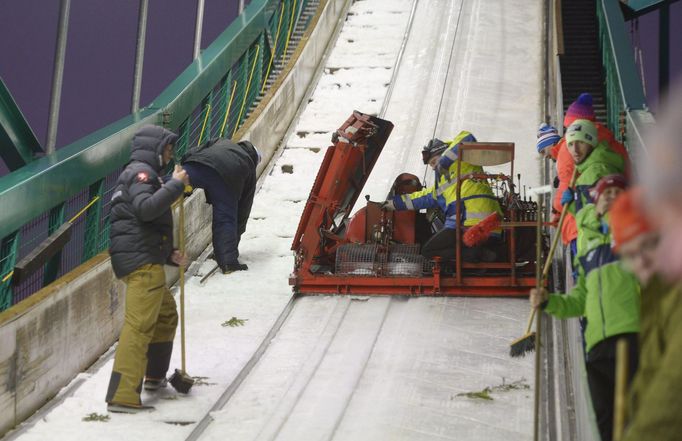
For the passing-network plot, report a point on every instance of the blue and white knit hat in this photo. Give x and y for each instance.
(547, 137)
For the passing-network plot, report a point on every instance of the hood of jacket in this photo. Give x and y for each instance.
(148, 144)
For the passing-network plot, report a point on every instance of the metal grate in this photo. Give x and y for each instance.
(374, 260)
(404, 260)
(357, 260)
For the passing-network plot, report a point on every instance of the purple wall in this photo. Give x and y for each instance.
(644, 36)
(100, 56)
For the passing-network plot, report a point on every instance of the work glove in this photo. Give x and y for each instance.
(232, 267)
(388, 205)
(567, 196)
(538, 298)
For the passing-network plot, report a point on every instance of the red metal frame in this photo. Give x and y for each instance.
(344, 170)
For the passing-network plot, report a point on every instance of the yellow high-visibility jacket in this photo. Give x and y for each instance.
(477, 199)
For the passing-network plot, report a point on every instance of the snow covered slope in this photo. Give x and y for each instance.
(359, 369)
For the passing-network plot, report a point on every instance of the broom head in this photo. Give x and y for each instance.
(181, 381)
(523, 345)
(480, 232)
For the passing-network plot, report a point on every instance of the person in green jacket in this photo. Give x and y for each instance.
(606, 294)
(656, 391)
(593, 159)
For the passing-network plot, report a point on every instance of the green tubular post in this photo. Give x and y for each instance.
(211, 116)
(242, 81)
(224, 109)
(103, 241)
(8, 257)
(181, 145)
(93, 220)
(260, 67)
(52, 266)
(282, 36)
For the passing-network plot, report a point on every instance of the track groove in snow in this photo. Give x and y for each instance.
(386, 372)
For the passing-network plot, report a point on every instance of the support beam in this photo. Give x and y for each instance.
(18, 143)
(198, 28)
(664, 49)
(58, 76)
(139, 54)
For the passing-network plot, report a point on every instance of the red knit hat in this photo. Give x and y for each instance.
(615, 180)
(627, 218)
(581, 108)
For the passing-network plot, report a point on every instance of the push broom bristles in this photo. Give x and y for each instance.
(523, 345)
(181, 381)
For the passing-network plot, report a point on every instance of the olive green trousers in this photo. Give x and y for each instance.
(146, 341)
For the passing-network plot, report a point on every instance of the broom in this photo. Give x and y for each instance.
(480, 232)
(180, 380)
(526, 343)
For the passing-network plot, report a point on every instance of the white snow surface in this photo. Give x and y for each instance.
(358, 368)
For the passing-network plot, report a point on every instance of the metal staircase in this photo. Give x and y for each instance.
(307, 12)
(581, 63)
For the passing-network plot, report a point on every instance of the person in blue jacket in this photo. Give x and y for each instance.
(477, 201)
(226, 171)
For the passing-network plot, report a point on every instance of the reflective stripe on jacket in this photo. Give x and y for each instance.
(477, 198)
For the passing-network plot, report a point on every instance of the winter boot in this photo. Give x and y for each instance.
(232, 267)
(129, 408)
(152, 384)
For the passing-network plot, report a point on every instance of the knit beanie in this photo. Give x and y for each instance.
(547, 137)
(615, 180)
(627, 218)
(581, 108)
(582, 130)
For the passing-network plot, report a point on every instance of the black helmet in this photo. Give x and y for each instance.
(433, 148)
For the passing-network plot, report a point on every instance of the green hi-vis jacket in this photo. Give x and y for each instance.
(656, 391)
(605, 293)
(602, 161)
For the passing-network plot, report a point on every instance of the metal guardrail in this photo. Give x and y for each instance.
(212, 97)
(624, 91)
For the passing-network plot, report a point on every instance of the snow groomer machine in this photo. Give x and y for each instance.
(377, 251)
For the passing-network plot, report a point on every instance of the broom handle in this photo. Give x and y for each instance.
(620, 398)
(538, 364)
(181, 245)
(552, 249)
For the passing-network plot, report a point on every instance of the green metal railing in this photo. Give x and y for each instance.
(624, 91)
(211, 98)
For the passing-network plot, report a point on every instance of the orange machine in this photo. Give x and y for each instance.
(376, 252)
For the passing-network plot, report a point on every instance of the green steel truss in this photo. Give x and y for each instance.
(211, 97)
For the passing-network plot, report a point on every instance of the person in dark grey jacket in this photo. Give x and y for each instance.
(227, 173)
(141, 243)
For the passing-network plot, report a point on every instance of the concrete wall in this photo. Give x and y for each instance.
(46, 340)
(79, 315)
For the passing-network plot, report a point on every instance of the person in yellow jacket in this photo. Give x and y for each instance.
(656, 391)
(477, 201)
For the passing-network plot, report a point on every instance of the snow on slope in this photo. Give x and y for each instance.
(493, 90)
